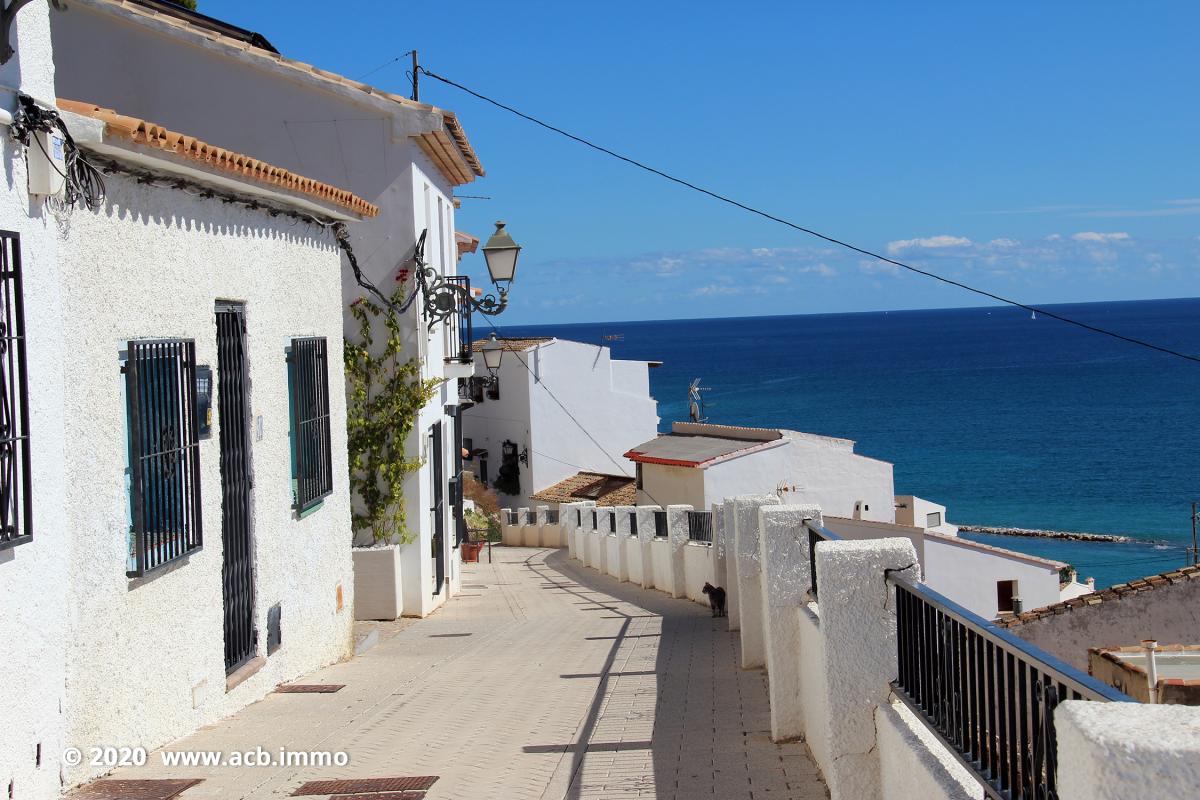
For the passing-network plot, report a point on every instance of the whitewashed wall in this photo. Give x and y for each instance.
(34, 576)
(665, 485)
(145, 663)
(101, 57)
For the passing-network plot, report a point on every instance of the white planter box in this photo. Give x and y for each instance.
(377, 590)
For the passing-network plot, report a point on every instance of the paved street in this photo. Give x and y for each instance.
(542, 680)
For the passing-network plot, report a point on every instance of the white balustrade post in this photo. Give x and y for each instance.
(510, 532)
(677, 539)
(783, 545)
(858, 623)
(603, 526)
(732, 601)
(623, 541)
(749, 575)
(645, 532)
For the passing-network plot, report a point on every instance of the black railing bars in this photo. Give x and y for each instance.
(633, 525)
(612, 521)
(552, 516)
(700, 526)
(579, 518)
(595, 520)
(989, 696)
(531, 518)
(459, 335)
(816, 534)
(660, 524)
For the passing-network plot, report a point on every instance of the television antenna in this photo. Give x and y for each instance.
(696, 406)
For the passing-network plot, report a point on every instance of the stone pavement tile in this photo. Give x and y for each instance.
(493, 715)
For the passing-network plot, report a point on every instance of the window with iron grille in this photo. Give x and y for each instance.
(308, 398)
(164, 453)
(16, 506)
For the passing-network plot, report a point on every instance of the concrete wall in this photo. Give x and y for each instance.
(660, 553)
(967, 573)
(633, 549)
(35, 576)
(858, 529)
(145, 661)
(913, 763)
(666, 485)
(1169, 614)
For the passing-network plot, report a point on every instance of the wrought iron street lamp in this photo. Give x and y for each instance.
(493, 353)
(447, 295)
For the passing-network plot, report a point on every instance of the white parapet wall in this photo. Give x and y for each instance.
(914, 764)
(749, 575)
(510, 529)
(1117, 751)
(620, 569)
(645, 534)
(697, 570)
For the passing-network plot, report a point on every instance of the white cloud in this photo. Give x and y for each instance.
(1003, 243)
(1101, 238)
(715, 289)
(931, 242)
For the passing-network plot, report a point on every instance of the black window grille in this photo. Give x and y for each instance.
(312, 465)
(492, 387)
(595, 520)
(531, 518)
(552, 516)
(511, 517)
(816, 535)
(578, 518)
(637, 472)
(700, 526)
(660, 524)
(164, 453)
(612, 522)
(988, 695)
(16, 502)
(633, 526)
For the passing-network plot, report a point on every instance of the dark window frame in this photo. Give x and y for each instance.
(311, 424)
(16, 477)
(164, 453)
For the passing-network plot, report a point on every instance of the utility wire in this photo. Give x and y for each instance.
(384, 64)
(809, 231)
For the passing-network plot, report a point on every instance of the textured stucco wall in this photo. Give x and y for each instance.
(664, 485)
(858, 529)
(660, 550)
(145, 658)
(913, 763)
(1168, 614)
(968, 576)
(34, 576)
(1117, 751)
(814, 688)
(746, 535)
(633, 550)
(697, 570)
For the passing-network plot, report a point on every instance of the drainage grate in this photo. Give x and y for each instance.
(447, 635)
(366, 785)
(117, 789)
(474, 586)
(309, 688)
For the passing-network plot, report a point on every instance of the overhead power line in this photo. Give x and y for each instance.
(824, 237)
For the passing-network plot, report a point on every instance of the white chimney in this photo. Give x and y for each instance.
(1151, 668)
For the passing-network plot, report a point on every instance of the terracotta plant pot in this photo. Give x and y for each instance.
(470, 552)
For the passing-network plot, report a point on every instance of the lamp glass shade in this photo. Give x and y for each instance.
(501, 253)
(493, 351)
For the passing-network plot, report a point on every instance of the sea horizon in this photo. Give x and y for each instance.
(1009, 421)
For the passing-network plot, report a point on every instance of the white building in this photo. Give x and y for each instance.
(921, 513)
(699, 464)
(154, 59)
(522, 441)
(176, 509)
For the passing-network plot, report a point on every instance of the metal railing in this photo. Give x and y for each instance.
(16, 498)
(660, 524)
(459, 334)
(989, 696)
(816, 534)
(700, 526)
(552, 516)
(531, 518)
(633, 523)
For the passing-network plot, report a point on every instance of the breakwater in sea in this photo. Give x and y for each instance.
(1072, 536)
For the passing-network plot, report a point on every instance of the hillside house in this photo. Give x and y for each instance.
(520, 441)
(402, 156)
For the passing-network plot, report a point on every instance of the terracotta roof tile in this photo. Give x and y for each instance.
(613, 490)
(146, 133)
(514, 345)
(1109, 595)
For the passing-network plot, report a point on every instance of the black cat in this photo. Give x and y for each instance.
(716, 599)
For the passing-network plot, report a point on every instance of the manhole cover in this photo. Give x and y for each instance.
(309, 688)
(367, 785)
(117, 789)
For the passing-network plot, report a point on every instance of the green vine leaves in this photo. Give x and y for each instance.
(386, 395)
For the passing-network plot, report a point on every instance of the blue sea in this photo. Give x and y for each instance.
(1007, 420)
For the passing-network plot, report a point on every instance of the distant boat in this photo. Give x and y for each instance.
(1033, 315)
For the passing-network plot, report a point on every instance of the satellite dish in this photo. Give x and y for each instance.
(696, 401)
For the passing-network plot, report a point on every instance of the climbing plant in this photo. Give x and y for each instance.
(386, 396)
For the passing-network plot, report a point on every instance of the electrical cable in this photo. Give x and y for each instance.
(82, 180)
(824, 237)
(384, 64)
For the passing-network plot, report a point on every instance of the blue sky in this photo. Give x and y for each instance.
(1046, 151)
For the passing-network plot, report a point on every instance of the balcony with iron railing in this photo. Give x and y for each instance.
(459, 358)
